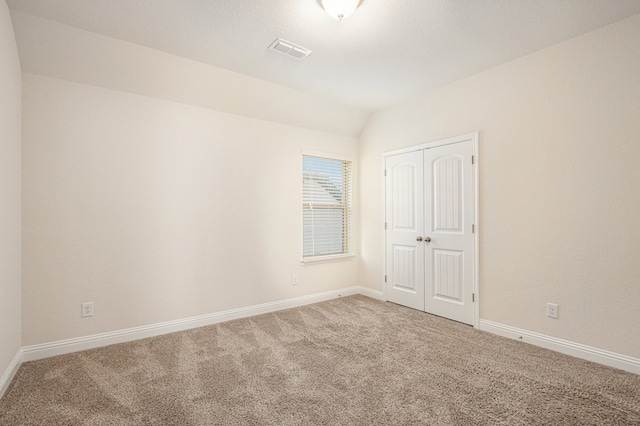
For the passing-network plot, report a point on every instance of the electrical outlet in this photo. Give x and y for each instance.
(87, 309)
(294, 279)
(552, 310)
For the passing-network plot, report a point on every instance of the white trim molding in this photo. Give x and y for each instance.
(369, 292)
(566, 347)
(325, 259)
(10, 372)
(60, 347)
(441, 142)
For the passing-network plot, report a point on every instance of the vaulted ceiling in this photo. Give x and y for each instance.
(387, 52)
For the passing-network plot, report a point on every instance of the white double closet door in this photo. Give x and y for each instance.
(429, 219)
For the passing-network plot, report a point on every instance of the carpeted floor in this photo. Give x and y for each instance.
(349, 361)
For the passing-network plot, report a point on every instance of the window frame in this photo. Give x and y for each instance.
(347, 208)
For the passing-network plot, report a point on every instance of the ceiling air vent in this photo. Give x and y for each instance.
(289, 49)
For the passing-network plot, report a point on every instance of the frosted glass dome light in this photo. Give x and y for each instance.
(340, 9)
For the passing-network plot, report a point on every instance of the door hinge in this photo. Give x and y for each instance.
(473, 297)
(385, 172)
(473, 159)
(385, 225)
(385, 278)
(473, 229)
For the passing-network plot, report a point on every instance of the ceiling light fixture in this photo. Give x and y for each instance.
(340, 9)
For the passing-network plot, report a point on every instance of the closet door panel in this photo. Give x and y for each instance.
(404, 226)
(448, 219)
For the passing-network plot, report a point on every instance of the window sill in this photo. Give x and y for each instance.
(326, 259)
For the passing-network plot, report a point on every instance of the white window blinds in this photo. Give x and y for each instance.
(326, 206)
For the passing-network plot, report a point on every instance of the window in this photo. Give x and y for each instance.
(326, 208)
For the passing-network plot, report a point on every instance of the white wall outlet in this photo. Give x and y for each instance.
(552, 310)
(87, 309)
(294, 279)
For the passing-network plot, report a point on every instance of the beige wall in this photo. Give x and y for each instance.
(559, 184)
(156, 210)
(10, 111)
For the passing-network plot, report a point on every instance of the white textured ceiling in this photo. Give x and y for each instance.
(387, 52)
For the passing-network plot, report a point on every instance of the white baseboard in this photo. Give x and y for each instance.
(10, 372)
(61, 347)
(374, 294)
(577, 350)
(45, 350)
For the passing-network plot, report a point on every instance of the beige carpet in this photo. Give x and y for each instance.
(349, 361)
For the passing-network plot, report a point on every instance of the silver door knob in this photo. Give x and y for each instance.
(419, 239)
(427, 239)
